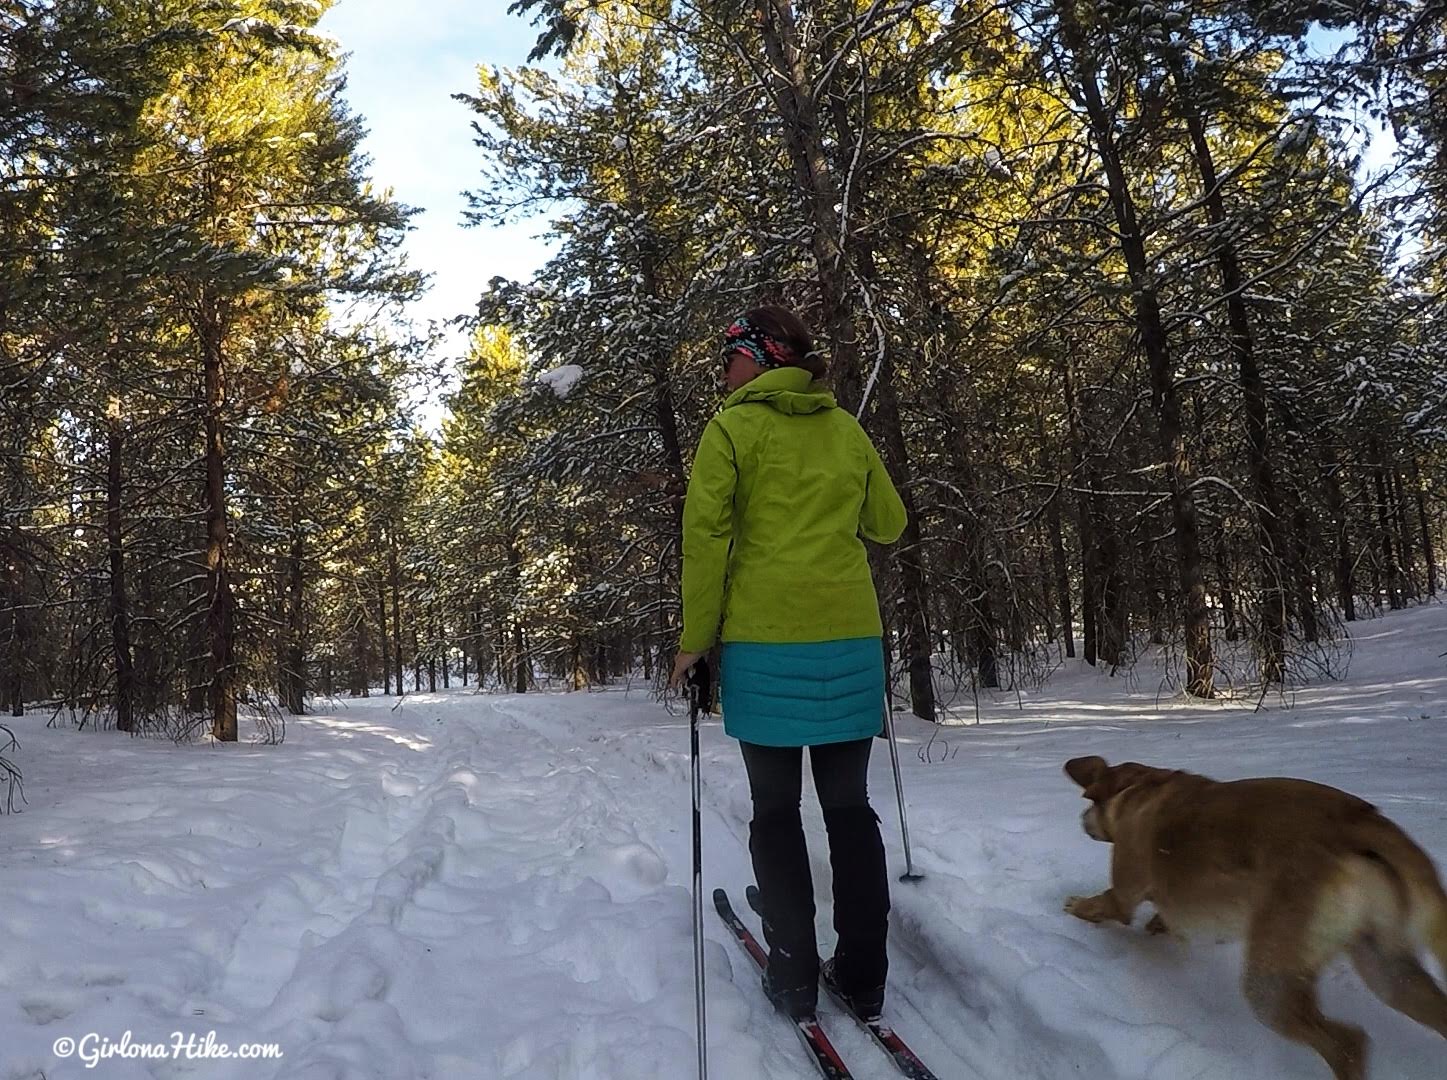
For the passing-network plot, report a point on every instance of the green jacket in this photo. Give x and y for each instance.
(784, 485)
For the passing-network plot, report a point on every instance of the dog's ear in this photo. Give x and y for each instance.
(1111, 780)
(1086, 771)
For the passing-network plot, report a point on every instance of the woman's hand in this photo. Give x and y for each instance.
(681, 664)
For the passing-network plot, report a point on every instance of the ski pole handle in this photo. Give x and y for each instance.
(699, 680)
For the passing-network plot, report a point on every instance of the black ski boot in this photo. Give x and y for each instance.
(795, 1002)
(868, 1005)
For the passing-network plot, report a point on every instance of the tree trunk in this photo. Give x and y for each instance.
(386, 644)
(1428, 552)
(1228, 594)
(479, 643)
(12, 676)
(1269, 521)
(1384, 527)
(1016, 631)
(1112, 621)
(1045, 558)
(1089, 588)
(798, 110)
(1164, 400)
(1374, 548)
(520, 657)
(502, 652)
(432, 652)
(1089, 557)
(394, 576)
(293, 679)
(1062, 573)
(119, 601)
(199, 642)
(794, 95)
(916, 643)
(221, 607)
(1343, 569)
(983, 634)
(150, 686)
(416, 658)
(359, 671)
(665, 416)
(1301, 574)
(914, 610)
(522, 666)
(1156, 611)
(1408, 558)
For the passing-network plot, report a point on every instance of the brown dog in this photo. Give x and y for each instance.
(1300, 871)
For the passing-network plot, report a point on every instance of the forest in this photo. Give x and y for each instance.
(1142, 302)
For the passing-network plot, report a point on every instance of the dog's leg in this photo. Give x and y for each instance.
(1394, 974)
(1128, 887)
(1280, 984)
(1287, 1005)
(1103, 907)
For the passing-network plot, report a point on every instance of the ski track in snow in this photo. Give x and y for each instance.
(491, 886)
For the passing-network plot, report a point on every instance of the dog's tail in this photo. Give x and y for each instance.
(1424, 899)
(1428, 921)
(1437, 938)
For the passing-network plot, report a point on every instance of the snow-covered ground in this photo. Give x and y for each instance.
(483, 886)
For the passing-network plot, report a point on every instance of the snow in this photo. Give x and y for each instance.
(561, 379)
(469, 886)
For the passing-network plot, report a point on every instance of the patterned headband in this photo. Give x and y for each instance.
(759, 346)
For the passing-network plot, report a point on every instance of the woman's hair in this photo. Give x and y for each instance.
(783, 325)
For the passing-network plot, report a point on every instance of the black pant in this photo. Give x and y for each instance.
(781, 865)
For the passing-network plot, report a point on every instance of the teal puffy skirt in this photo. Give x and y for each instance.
(786, 694)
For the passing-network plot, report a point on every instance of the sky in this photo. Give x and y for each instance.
(404, 62)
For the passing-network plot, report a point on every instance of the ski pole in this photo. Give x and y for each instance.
(699, 700)
(909, 871)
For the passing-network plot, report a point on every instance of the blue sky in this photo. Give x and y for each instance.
(405, 61)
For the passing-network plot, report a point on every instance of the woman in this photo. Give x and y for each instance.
(784, 485)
